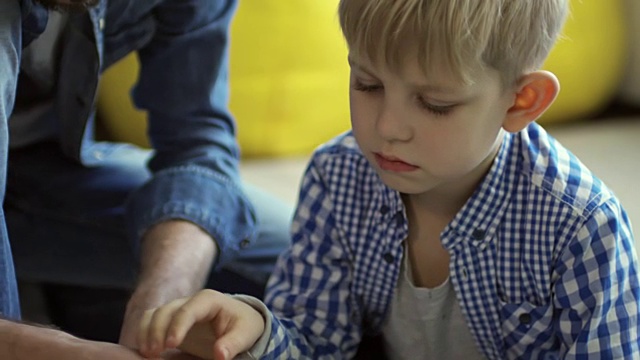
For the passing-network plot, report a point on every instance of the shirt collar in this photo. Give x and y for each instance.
(480, 217)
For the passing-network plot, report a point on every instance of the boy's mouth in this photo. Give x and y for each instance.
(392, 163)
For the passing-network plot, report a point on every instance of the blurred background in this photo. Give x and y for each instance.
(289, 84)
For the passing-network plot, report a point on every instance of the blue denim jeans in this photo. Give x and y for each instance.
(66, 221)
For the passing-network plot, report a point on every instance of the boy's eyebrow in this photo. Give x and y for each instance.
(354, 64)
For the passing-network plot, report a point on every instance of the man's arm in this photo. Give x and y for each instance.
(10, 52)
(26, 342)
(176, 258)
(193, 210)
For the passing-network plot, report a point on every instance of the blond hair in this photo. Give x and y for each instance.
(511, 36)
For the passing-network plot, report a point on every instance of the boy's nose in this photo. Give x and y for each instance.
(392, 123)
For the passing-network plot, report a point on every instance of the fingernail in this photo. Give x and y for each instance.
(225, 353)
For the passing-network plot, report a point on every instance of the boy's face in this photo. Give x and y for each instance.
(424, 133)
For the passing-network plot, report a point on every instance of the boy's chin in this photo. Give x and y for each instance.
(68, 5)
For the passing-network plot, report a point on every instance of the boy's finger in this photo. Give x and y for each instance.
(241, 335)
(237, 340)
(159, 326)
(143, 330)
(200, 308)
(227, 347)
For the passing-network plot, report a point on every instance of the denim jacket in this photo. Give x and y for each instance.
(10, 37)
(183, 84)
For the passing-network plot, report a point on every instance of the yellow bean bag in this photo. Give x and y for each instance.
(289, 74)
(630, 89)
(589, 59)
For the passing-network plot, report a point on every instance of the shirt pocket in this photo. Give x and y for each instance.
(528, 331)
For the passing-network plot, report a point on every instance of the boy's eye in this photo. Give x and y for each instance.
(360, 86)
(435, 109)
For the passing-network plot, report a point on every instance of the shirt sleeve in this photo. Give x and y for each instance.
(309, 290)
(597, 293)
(183, 84)
(258, 349)
(10, 49)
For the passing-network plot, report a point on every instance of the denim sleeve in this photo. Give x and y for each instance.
(183, 85)
(598, 291)
(10, 49)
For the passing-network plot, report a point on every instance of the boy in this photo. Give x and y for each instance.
(447, 220)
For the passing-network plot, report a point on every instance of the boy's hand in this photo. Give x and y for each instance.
(210, 325)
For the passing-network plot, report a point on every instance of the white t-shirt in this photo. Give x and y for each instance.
(426, 323)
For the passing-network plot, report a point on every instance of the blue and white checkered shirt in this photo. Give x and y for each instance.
(542, 258)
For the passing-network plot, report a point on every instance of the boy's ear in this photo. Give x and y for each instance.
(536, 91)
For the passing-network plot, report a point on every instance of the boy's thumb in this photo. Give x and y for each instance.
(224, 354)
(229, 346)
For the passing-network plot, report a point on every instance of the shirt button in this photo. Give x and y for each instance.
(465, 274)
(244, 244)
(399, 218)
(525, 319)
(384, 209)
(388, 257)
(101, 24)
(478, 234)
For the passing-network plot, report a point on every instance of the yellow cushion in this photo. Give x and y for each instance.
(630, 88)
(589, 60)
(289, 74)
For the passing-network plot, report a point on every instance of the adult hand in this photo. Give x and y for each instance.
(31, 342)
(101, 350)
(95, 350)
(178, 355)
(210, 325)
(176, 259)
